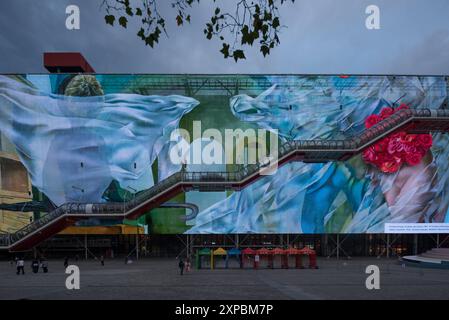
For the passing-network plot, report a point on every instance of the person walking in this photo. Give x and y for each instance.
(35, 266)
(188, 265)
(181, 267)
(102, 260)
(44, 265)
(20, 264)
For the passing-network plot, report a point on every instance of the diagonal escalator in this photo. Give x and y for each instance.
(409, 120)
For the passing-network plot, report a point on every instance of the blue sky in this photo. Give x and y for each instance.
(322, 36)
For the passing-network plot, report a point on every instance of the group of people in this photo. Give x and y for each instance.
(184, 265)
(35, 265)
(42, 263)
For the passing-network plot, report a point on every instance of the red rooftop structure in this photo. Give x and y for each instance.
(66, 62)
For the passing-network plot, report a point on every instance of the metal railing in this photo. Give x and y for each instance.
(4, 240)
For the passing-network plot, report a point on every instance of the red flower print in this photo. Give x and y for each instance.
(386, 112)
(391, 152)
(390, 166)
(425, 140)
(395, 146)
(369, 154)
(372, 120)
(413, 159)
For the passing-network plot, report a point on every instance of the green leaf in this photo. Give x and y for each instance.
(276, 22)
(255, 34)
(225, 50)
(238, 54)
(129, 11)
(123, 21)
(265, 29)
(267, 15)
(248, 36)
(110, 19)
(209, 31)
(245, 34)
(265, 50)
(156, 34)
(149, 41)
(178, 20)
(138, 11)
(217, 11)
(141, 34)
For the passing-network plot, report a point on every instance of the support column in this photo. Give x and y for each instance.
(187, 89)
(0, 161)
(338, 246)
(415, 244)
(1, 211)
(236, 89)
(187, 246)
(388, 245)
(237, 243)
(85, 247)
(438, 240)
(326, 245)
(137, 243)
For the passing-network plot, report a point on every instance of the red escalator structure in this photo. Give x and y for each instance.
(313, 151)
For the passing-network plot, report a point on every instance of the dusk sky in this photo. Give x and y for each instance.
(321, 36)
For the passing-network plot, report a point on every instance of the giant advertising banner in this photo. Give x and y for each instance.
(108, 138)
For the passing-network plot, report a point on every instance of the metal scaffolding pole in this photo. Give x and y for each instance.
(388, 245)
(86, 253)
(137, 243)
(326, 244)
(338, 246)
(388, 250)
(415, 244)
(188, 245)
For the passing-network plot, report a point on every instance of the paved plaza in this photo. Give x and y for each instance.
(156, 278)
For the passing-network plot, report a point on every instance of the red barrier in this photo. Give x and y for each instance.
(248, 252)
(312, 257)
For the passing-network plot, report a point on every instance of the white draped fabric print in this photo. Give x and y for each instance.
(74, 147)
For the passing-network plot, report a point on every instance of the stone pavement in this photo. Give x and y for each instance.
(155, 278)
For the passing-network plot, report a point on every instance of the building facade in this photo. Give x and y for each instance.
(15, 187)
